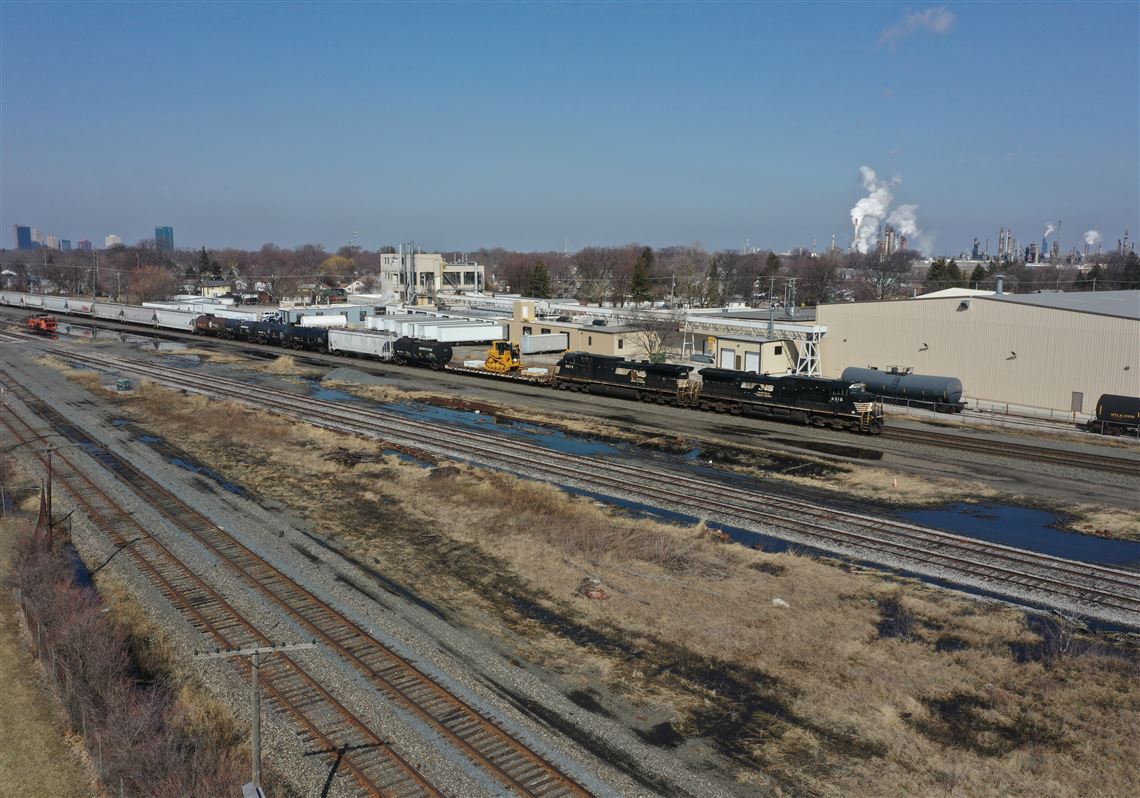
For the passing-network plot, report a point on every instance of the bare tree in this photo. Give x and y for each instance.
(150, 283)
(655, 333)
(882, 277)
(593, 271)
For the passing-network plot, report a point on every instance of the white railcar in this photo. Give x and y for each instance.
(56, 304)
(175, 319)
(367, 344)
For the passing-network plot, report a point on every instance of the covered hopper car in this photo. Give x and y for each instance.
(903, 387)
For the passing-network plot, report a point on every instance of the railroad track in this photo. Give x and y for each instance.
(1018, 451)
(486, 744)
(371, 764)
(1098, 590)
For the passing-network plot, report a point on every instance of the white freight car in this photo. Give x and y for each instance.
(57, 304)
(359, 342)
(175, 319)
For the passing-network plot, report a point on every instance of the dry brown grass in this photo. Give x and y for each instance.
(941, 709)
(1107, 522)
(37, 755)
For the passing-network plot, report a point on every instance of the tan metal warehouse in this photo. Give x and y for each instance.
(1054, 351)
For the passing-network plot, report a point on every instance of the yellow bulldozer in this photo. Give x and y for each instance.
(503, 358)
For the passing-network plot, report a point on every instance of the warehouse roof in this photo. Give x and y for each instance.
(1105, 303)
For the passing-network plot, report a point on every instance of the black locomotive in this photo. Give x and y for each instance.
(628, 379)
(806, 400)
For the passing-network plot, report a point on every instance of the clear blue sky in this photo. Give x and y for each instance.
(466, 125)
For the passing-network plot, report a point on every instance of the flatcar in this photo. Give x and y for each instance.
(903, 387)
(839, 404)
(421, 352)
(663, 383)
(1115, 415)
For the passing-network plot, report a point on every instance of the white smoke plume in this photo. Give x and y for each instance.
(905, 220)
(1048, 229)
(870, 211)
(1092, 238)
(875, 208)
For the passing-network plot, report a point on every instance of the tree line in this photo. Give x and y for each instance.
(630, 274)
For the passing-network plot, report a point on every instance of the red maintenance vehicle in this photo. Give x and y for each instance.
(42, 324)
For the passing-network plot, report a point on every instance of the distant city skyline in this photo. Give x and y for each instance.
(595, 124)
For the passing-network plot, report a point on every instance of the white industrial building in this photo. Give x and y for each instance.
(425, 274)
(1057, 351)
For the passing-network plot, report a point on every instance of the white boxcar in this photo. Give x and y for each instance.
(175, 319)
(11, 298)
(79, 306)
(358, 342)
(33, 301)
(551, 342)
(57, 304)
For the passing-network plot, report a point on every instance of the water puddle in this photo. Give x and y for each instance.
(486, 422)
(1026, 528)
(182, 361)
(408, 458)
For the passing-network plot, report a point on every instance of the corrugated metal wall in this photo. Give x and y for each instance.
(1057, 351)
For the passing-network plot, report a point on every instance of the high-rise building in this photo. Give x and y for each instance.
(23, 236)
(85, 245)
(65, 244)
(164, 239)
(52, 241)
(37, 238)
(976, 250)
(112, 240)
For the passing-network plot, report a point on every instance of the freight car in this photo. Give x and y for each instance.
(903, 387)
(839, 404)
(421, 352)
(663, 383)
(1115, 415)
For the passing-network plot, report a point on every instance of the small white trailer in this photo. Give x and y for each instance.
(551, 342)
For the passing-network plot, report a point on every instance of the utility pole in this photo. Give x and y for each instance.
(254, 653)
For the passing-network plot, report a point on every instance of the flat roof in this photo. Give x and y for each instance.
(1124, 304)
(1105, 303)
